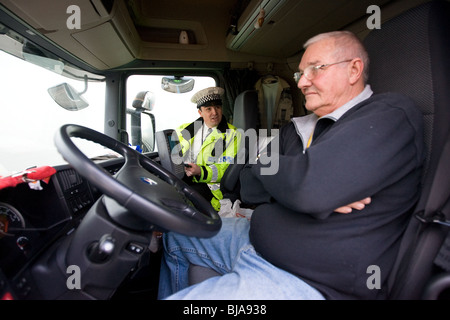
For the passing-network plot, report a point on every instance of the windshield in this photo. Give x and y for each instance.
(29, 117)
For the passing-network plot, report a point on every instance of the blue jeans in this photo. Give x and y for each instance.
(245, 274)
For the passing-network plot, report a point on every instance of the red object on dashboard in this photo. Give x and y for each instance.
(30, 175)
(7, 296)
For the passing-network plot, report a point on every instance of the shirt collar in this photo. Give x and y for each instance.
(205, 130)
(305, 125)
(339, 112)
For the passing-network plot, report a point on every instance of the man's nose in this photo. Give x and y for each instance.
(303, 82)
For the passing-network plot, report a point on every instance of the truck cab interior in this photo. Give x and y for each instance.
(93, 89)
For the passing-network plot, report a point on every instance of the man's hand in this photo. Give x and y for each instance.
(358, 205)
(191, 169)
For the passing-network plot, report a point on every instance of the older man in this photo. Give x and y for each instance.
(354, 145)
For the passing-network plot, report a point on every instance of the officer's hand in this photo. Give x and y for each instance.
(191, 169)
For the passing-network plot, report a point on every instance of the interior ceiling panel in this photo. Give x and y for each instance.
(149, 29)
(179, 9)
(50, 16)
(299, 20)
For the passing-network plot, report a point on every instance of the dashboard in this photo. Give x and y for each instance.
(35, 219)
(31, 220)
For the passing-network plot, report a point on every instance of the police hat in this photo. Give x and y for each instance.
(208, 97)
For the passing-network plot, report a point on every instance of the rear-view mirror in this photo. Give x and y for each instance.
(177, 84)
(67, 97)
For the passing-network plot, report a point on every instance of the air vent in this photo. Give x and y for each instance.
(69, 179)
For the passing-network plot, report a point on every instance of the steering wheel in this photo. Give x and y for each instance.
(142, 195)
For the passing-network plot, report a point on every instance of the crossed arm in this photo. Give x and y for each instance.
(358, 205)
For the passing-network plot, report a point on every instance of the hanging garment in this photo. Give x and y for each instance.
(275, 102)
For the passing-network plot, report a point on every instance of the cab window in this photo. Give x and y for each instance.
(163, 101)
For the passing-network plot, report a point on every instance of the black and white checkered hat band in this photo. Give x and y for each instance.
(209, 100)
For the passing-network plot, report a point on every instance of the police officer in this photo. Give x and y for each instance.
(209, 145)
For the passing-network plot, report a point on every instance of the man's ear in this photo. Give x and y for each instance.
(356, 68)
(200, 112)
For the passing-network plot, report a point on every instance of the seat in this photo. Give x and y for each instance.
(246, 116)
(410, 54)
(246, 112)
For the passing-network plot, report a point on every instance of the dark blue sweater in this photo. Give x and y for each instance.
(374, 150)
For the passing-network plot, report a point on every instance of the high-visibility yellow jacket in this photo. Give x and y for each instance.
(217, 153)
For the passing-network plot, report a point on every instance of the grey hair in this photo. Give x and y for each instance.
(346, 42)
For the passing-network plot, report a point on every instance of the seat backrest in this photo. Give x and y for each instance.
(410, 54)
(245, 117)
(246, 112)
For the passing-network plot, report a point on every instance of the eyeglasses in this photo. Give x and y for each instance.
(311, 72)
